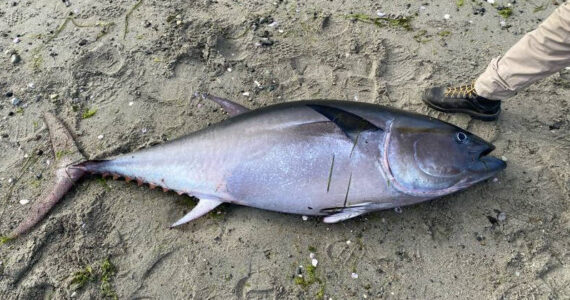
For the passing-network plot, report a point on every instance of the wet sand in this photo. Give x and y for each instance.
(121, 75)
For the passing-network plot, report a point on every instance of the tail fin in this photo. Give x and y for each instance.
(66, 175)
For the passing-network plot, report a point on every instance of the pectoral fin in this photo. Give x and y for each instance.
(204, 206)
(345, 214)
(354, 211)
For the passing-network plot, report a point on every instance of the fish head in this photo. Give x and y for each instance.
(428, 157)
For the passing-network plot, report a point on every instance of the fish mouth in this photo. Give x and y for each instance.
(487, 150)
(487, 165)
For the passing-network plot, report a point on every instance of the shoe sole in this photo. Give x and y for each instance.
(473, 114)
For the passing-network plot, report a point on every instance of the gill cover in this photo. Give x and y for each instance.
(428, 157)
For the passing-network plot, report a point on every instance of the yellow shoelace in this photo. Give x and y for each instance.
(464, 91)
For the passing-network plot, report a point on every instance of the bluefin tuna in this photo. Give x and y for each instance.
(327, 158)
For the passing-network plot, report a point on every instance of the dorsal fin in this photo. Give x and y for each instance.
(232, 108)
(351, 124)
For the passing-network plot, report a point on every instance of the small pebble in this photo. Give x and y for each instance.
(314, 262)
(398, 210)
(15, 58)
(312, 255)
(495, 179)
(144, 130)
(131, 103)
(305, 218)
(354, 275)
(491, 1)
(67, 3)
(479, 237)
(281, 30)
(10, 180)
(53, 96)
(479, 11)
(31, 85)
(504, 158)
(15, 101)
(24, 201)
(446, 16)
(502, 216)
(266, 42)
(229, 69)
(503, 24)
(39, 176)
(380, 14)
(555, 125)
(246, 94)
(16, 40)
(100, 137)
(348, 242)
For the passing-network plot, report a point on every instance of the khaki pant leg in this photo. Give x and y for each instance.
(540, 53)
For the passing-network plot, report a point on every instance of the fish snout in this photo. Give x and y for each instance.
(484, 163)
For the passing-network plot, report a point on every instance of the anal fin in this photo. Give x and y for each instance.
(204, 206)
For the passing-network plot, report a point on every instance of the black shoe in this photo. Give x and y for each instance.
(462, 99)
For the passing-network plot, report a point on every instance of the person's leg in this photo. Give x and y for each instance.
(540, 53)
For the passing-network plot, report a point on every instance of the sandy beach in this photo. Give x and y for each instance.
(122, 74)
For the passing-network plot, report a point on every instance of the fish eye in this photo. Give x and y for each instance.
(461, 137)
